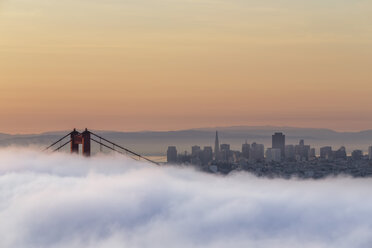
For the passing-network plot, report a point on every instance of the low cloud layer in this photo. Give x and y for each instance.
(68, 201)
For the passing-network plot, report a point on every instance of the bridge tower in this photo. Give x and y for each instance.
(75, 141)
(80, 138)
(84, 139)
(86, 143)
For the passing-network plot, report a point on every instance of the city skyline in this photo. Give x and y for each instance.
(281, 149)
(279, 160)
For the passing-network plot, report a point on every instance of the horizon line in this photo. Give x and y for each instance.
(191, 129)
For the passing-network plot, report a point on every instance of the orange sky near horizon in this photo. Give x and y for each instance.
(169, 65)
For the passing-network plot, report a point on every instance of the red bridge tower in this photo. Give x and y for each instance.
(80, 138)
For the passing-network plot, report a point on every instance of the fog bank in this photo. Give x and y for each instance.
(61, 200)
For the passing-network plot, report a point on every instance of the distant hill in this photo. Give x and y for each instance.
(156, 143)
(4, 136)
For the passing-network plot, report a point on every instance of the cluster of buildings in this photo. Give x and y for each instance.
(254, 155)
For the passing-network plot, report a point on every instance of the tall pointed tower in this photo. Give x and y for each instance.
(216, 147)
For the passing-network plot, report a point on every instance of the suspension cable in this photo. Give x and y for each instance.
(62, 146)
(57, 141)
(125, 149)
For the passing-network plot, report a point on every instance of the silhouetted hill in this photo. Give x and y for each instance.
(156, 143)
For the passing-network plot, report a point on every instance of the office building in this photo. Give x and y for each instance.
(312, 154)
(357, 155)
(326, 152)
(207, 155)
(273, 155)
(302, 151)
(172, 154)
(216, 147)
(340, 153)
(245, 150)
(278, 142)
(195, 150)
(225, 152)
(257, 152)
(290, 152)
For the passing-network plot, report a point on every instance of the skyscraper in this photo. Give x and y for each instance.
(302, 151)
(195, 150)
(312, 153)
(340, 153)
(207, 154)
(357, 154)
(216, 147)
(278, 142)
(370, 152)
(196, 155)
(225, 147)
(245, 150)
(225, 152)
(326, 152)
(273, 155)
(257, 152)
(290, 152)
(172, 154)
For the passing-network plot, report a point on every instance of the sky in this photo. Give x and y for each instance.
(131, 65)
(61, 200)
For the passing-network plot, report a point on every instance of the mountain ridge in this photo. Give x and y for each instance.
(156, 142)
